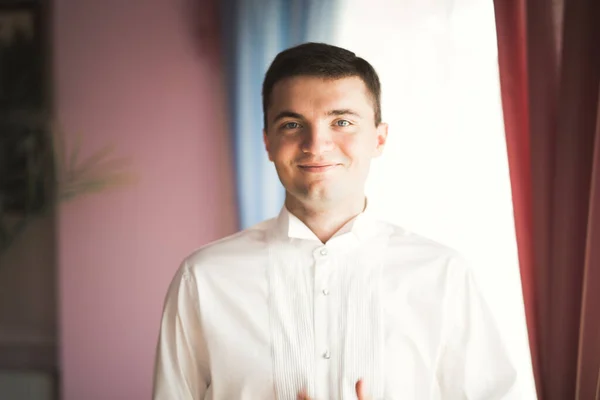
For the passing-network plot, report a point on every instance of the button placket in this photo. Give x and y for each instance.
(322, 317)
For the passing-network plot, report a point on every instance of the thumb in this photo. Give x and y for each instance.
(359, 389)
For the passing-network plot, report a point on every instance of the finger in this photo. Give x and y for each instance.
(303, 396)
(360, 390)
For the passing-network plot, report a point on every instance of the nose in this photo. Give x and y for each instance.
(317, 140)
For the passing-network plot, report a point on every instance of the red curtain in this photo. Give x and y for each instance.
(549, 58)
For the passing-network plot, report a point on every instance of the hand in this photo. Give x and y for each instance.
(358, 387)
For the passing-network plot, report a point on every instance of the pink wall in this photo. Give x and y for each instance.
(137, 74)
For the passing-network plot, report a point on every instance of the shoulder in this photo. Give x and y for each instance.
(236, 249)
(404, 238)
(419, 250)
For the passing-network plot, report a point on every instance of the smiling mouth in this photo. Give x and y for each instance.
(317, 168)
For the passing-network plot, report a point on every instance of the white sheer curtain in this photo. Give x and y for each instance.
(444, 173)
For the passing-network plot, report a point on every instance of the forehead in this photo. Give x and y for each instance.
(305, 94)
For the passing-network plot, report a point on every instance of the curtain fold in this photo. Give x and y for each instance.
(253, 32)
(550, 75)
(512, 59)
(588, 368)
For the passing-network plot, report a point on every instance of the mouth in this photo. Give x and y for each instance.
(317, 168)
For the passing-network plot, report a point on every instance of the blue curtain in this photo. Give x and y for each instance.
(254, 31)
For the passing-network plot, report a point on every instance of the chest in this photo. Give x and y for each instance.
(319, 322)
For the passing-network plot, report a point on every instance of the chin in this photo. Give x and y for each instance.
(322, 196)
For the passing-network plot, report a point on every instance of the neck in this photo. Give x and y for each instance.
(325, 221)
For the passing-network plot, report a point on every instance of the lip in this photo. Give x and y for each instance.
(317, 168)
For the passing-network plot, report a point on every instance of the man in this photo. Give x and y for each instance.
(324, 301)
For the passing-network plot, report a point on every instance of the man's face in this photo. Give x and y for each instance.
(321, 136)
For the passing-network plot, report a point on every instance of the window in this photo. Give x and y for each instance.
(444, 172)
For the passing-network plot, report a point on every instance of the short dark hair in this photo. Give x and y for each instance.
(320, 60)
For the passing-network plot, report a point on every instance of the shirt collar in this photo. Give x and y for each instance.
(289, 226)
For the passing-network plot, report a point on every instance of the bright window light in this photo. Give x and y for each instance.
(444, 173)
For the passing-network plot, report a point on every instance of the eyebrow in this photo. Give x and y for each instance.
(287, 114)
(344, 111)
(291, 114)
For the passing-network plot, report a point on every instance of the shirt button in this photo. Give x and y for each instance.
(325, 292)
(326, 355)
(324, 251)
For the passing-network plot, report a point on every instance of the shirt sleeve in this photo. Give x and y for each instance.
(182, 367)
(474, 364)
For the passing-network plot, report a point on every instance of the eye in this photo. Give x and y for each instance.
(291, 125)
(342, 122)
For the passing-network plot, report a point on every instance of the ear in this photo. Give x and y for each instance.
(267, 144)
(381, 138)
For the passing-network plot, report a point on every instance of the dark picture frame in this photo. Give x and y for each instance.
(21, 56)
(24, 142)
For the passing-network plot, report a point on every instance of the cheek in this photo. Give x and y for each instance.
(283, 154)
(357, 150)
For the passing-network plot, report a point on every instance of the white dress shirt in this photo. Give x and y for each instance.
(271, 311)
